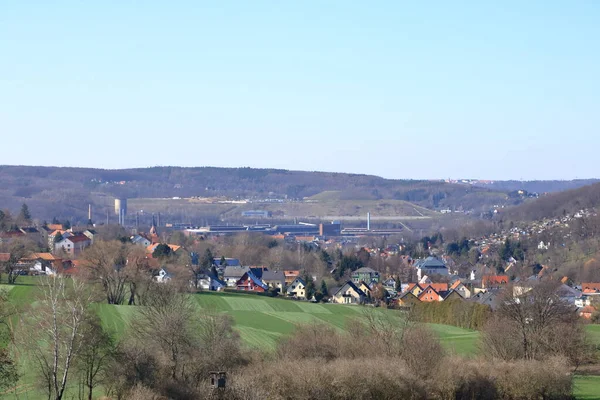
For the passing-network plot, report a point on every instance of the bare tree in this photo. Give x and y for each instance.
(138, 274)
(17, 249)
(53, 334)
(530, 325)
(166, 322)
(105, 263)
(95, 356)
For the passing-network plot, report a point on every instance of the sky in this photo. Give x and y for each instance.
(399, 89)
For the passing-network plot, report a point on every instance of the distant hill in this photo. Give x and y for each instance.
(66, 192)
(548, 186)
(556, 204)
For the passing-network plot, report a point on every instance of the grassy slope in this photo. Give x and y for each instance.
(261, 321)
(320, 209)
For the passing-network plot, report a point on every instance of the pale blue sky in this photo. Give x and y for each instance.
(419, 89)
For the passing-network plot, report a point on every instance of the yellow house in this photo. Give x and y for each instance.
(297, 289)
(349, 294)
(415, 289)
(364, 287)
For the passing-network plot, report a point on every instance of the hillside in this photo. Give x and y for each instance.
(66, 192)
(261, 322)
(545, 186)
(556, 204)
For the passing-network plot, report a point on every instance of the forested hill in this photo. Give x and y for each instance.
(65, 191)
(556, 204)
(546, 186)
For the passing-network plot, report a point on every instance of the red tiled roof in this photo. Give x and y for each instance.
(78, 238)
(4, 257)
(494, 280)
(439, 287)
(590, 287)
(456, 284)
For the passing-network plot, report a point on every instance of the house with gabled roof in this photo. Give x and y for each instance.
(407, 299)
(429, 294)
(494, 281)
(365, 274)
(176, 249)
(460, 287)
(72, 245)
(290, 275)
(364, 287)
(297, 288)
(273, 279)
(141, 240)
(249, 282)
(349, 293)
(210, 282)
(430, 266)
(233, 274)
(452, 295)
(590, 288)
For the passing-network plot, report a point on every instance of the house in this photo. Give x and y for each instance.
(4, 257)
(274, 279)
(90, 234)
(140, 240)
(590, 288)
(459, 287)
(249, 282)
(175, 249)
(233, 274)
(72, 245)
(297, 289)
(365, 288)
(494, 281)
(429, 294)
(439, 287)
(349, 294)
(452, 295)
(567, 293)
(291, 275)
(414, 288)
(488, 298)
(365, 274)
(209, 282)
(407, 299)
(430, 266)
(41, 263)
(583, 301)
(390, 283)
(162, 275)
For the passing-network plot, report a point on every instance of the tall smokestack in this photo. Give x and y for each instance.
(158, 221)
(90, 212)
(368, 221)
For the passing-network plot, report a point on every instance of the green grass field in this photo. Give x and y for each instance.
(262, 321)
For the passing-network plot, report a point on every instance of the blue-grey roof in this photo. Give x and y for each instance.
(231, 262)
(430, 262)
